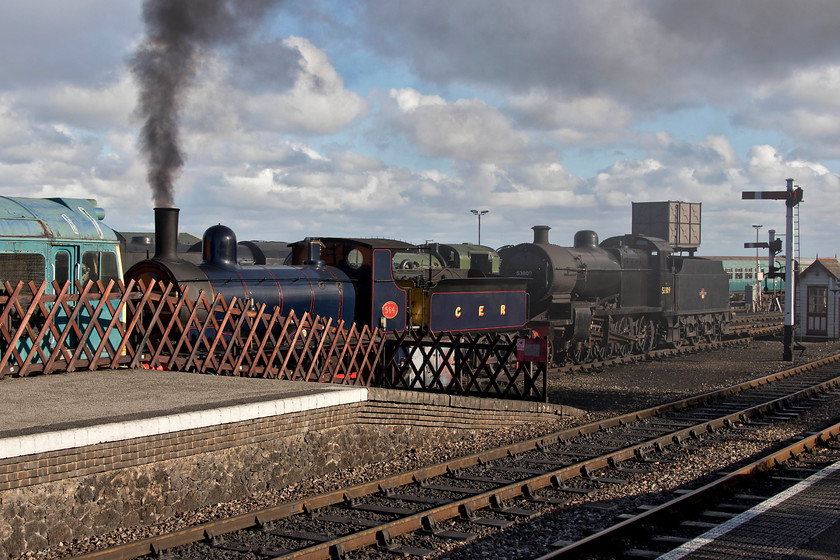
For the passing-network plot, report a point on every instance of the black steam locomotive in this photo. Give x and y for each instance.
(376, 282)
(628, 294)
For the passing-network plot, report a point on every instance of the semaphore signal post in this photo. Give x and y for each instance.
(792, 196)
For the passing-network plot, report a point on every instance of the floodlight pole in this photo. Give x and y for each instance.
(479, 213)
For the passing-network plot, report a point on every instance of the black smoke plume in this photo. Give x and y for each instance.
(166, 63)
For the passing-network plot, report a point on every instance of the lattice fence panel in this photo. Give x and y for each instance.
(63, 331)
(463, 364)
(160, 327)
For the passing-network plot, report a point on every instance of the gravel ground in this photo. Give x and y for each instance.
(635, 386)
(607, 392)
(677, 467)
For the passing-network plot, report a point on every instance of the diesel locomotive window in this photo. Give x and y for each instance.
(98, 265)
(108, 263)
(62, 267)
(22, 267)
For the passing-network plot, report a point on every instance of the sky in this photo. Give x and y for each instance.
(395, 119)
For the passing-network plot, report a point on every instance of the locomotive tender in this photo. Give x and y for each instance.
(627, 294)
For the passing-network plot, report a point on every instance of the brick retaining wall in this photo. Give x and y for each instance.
(56, 496)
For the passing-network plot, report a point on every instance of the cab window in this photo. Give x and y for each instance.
(99, 265)
(62, 267)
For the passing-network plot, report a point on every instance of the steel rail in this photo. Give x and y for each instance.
(661, 353)
(524, 488)
(493, 497)
(746, 333)
(598, 540)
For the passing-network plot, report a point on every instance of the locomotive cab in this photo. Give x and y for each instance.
(401, 286)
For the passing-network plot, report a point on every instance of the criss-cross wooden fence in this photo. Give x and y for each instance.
(462, 363)
(106, 326)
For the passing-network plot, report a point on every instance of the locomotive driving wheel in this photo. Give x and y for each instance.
(645, 335)
(626, 328)
(579, 353)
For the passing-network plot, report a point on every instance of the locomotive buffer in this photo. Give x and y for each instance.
(792, 197)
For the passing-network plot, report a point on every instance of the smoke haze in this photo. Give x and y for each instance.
(165, 64)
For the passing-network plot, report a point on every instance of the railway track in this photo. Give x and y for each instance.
(756, 324)
(743, 329)
(457, 500)
(656, 530)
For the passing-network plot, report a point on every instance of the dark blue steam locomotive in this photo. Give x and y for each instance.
(376, 282)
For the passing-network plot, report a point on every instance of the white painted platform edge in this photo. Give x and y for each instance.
(748, 515)
(118, 431)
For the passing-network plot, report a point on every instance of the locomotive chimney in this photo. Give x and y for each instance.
(166, 233)
(314, 253)
(541, 234)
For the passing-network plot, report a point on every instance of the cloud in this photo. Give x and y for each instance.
(590, 121)
(467, 129)
(803, 105)
(101, 109)
(658, 52)
(312, 100)
(51, 42)
(396, 119)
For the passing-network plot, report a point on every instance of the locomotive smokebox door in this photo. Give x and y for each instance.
(583, 323)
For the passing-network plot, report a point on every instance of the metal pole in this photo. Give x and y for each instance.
(756, 296)
(789, 287)
(479, 214)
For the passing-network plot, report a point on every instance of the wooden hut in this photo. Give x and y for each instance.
(818, 316)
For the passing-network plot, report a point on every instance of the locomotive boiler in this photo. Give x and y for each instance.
(311, 287)
(628, 294)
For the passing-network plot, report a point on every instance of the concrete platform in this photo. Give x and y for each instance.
(802, 523)
(53, 412)
(86, 453)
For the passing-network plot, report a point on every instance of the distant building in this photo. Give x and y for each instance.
(818, 316)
